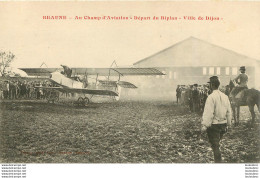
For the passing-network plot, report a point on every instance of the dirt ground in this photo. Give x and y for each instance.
(116, 132)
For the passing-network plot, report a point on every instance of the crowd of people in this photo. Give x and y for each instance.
(194, 96)
(16, 89)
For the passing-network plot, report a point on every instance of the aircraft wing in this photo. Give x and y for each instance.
(116, 71)
(39, 71)
(108, 83)
(82, 90)
(91, 91)
(124, 84)
(95, 71)
(138, 71)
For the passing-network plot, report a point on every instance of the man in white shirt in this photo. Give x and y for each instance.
(216, 117)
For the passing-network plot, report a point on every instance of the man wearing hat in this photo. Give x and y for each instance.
(195, 98)
(216, 117)
(241, 80)
(189, 95)
(178, 93)
(67, 71)
(6, 89)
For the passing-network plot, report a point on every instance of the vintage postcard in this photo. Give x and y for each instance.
(129, 82)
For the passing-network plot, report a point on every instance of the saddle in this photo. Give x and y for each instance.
(240, 94)
(240, 97)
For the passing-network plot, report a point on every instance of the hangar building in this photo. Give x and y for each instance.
(194, 61)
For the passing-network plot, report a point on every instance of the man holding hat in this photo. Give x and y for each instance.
(241, 80)
(216, 117)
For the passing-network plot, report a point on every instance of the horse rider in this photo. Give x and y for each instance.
(216, 117)
(241, 80)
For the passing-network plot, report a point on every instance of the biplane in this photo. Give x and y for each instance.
(77, 80)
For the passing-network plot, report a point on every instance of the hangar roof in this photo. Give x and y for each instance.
(195, 52)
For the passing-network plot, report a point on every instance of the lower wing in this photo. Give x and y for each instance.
(82, 90)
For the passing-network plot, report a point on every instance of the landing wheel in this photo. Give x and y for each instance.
(80, 101)
(52, 97)
(49, 99)
(83, 101)
(56, 99)
(86, 101)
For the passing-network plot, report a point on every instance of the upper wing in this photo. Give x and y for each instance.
(82, 90)
(138, 71)
(39, 71)
(95, 71)
(116, 71)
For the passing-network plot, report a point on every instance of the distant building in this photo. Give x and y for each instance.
(194, 61)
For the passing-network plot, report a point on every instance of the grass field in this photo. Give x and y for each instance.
(116, 132)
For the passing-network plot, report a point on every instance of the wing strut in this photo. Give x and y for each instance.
(96, 79)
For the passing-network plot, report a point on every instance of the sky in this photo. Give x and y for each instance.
(97, 43)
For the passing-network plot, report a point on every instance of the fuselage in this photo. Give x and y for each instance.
(60, 79)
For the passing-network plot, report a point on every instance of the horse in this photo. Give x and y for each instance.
(251, 98)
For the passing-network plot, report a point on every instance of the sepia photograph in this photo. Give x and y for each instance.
(129, 82)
